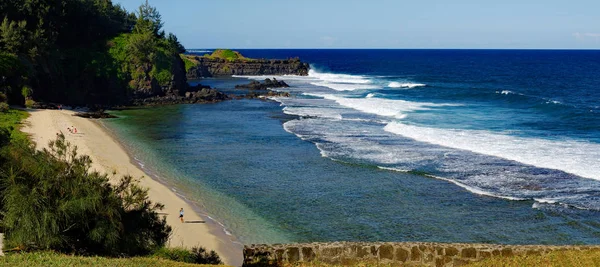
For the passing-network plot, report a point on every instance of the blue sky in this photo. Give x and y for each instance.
(380, 23)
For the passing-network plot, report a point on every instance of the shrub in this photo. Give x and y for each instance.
(204, 257)
(29, 103)
(4, 107)
(175, 254)
(72, 209)
(197, 255)
(3, 97)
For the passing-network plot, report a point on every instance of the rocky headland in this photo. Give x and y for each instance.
(227, 63)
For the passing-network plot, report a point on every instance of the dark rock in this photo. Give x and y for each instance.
(267, 84)
(204, 95)
(95, 115)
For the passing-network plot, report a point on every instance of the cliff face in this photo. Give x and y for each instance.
(146, 86)
(211, 67)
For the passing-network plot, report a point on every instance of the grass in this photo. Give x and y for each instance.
(189, 62)
(228, 54)
(13, 121)
(567, 258)
(56, 259)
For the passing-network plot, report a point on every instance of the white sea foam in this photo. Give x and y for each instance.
(576, 157)
(313, 112)
(384, 107)
(346, 86)
(370, 95)
(405, 85)
(339, 78)
(471, 189)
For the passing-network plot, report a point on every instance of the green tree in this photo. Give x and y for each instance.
(13, 35)
(149, 20)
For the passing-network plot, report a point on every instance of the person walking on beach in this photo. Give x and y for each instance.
(181, 214)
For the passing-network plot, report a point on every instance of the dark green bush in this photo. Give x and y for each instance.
(51, 200)
(197, 255)
(205, 257)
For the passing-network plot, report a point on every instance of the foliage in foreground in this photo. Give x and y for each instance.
(197, 255)
(51, 200)
(59, 260)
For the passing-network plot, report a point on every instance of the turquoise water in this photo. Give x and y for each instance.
(239, 165)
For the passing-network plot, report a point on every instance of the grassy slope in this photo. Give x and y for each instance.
(13, 120)
(558, 258)
(189, 61)
(56, 259)
(567, 258)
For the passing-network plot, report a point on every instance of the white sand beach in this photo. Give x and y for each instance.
(108, 156)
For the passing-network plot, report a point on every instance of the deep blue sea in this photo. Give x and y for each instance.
(495, 146)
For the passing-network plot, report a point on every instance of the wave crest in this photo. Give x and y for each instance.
(405, 85)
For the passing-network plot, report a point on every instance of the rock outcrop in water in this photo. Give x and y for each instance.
(216, 65)
(267, 84)
(194, 95)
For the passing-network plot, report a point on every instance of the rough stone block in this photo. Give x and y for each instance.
(415, 254)
(308, 254)
(469, 253)
(451, 251)
(485, 254)
(279, 254)
(386, 252)
(374, 250)
(402, 254)
(496, 252)
(293, 254)
(439, 262)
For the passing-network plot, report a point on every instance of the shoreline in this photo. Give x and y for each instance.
(110, 156)
(215, 228)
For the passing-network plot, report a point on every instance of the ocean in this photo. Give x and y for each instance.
(497, 146)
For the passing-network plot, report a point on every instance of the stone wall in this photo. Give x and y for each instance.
(389, 254)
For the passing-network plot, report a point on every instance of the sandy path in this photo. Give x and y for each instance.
(108, 157)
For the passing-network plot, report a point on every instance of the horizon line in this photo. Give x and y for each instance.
(350, 48)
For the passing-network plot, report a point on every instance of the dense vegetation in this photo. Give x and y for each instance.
(82, 52)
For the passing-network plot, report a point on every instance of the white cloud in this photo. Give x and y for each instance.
(586, 35)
